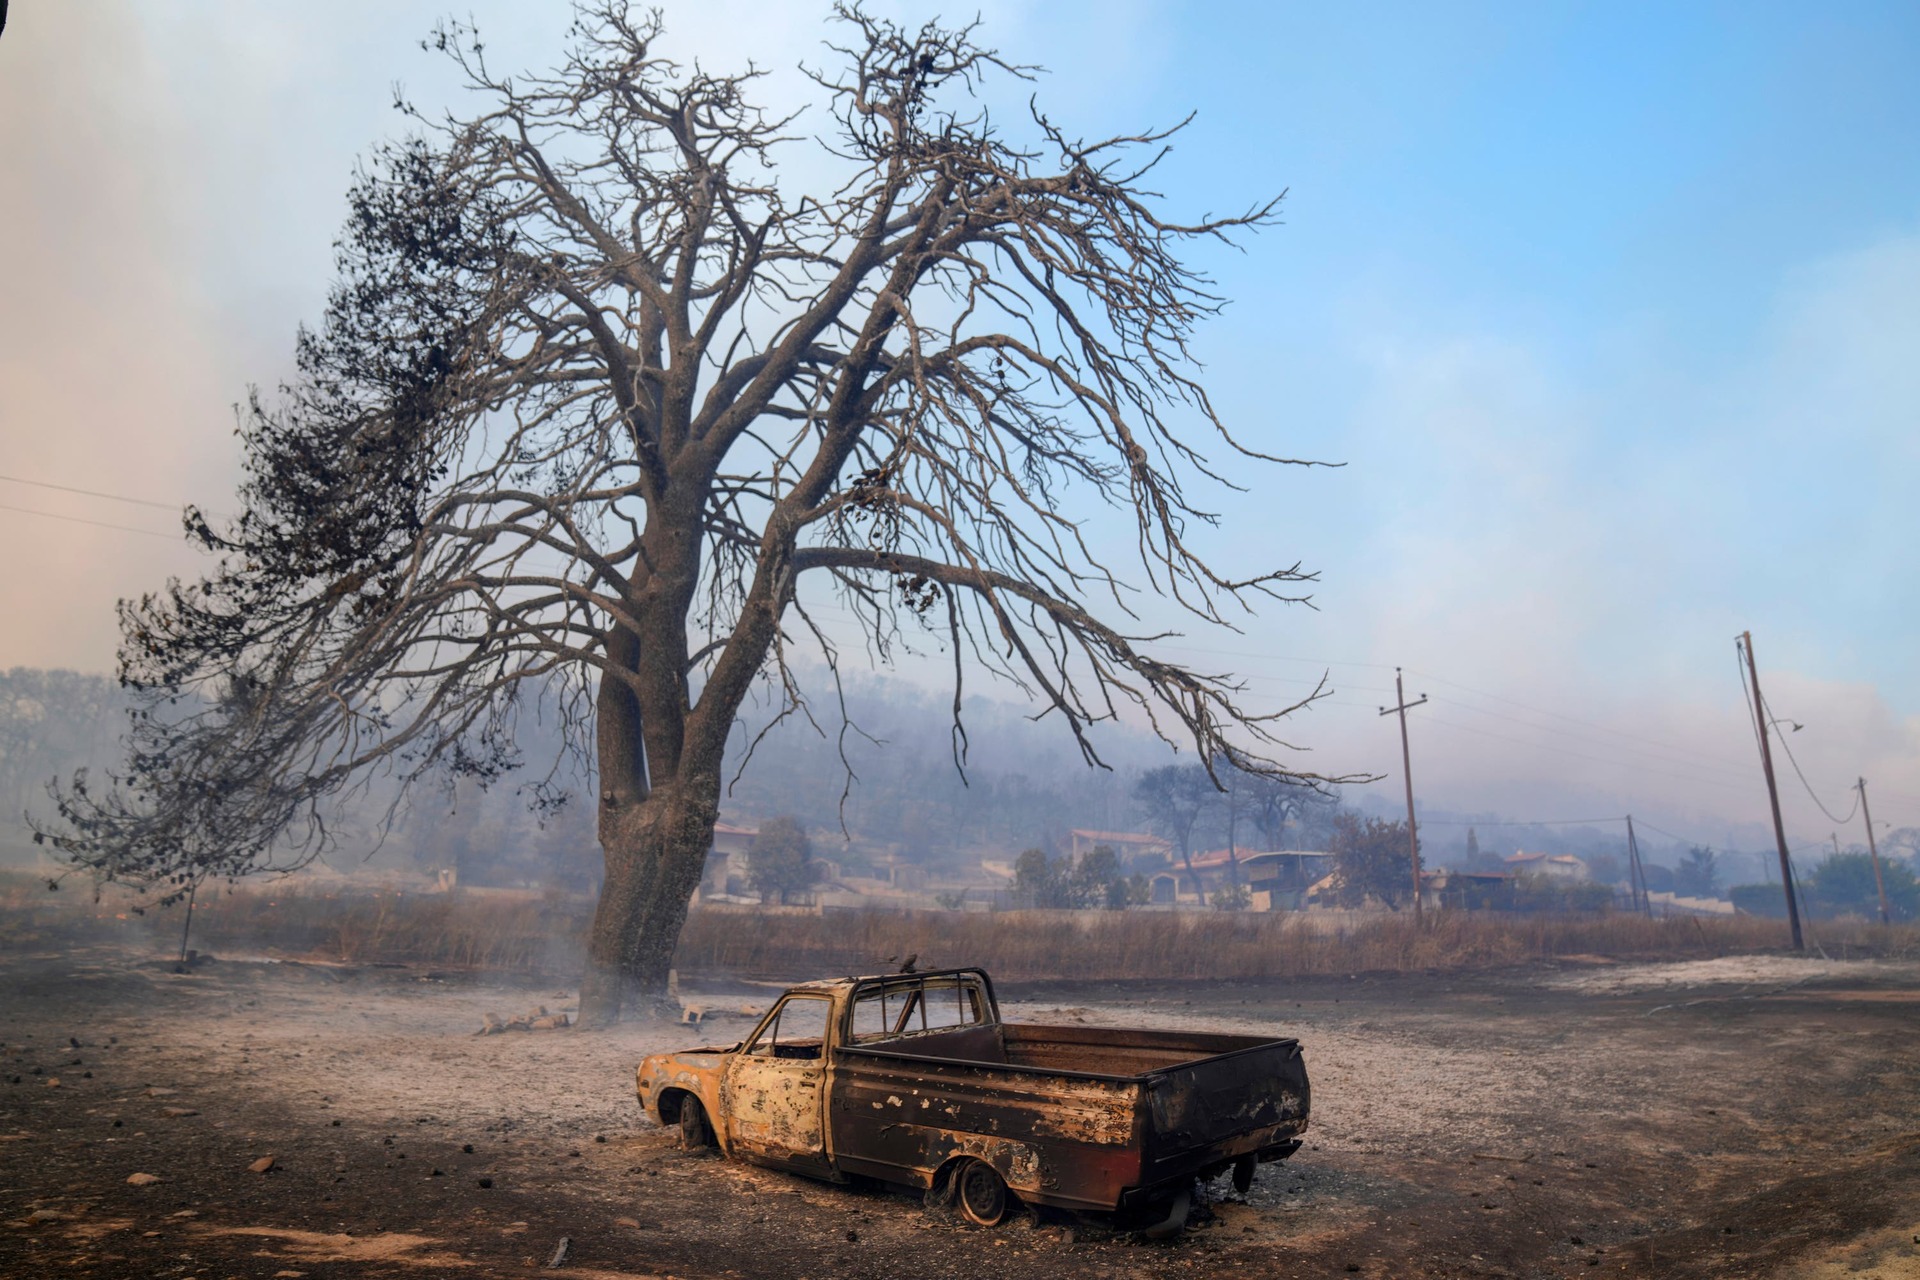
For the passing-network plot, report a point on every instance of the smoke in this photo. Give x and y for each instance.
(1559, 548)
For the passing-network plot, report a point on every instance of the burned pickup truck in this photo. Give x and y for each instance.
(913, 1079)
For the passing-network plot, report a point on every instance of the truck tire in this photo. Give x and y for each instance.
(1243, 1173)
(981, 1194)
(695, 1133)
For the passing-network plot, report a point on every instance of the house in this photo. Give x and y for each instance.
(1280, 880)
(1188, 881)
(1447, 889)
(1554, 866)
(725, 875)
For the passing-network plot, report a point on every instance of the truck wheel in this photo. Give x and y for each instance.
(982, 1195)
(695, 1133)
(1243, 1174)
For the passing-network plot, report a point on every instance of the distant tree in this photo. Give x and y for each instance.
(1370, 861)
(1904, 843)
(1660, 879)
(1696, 876)
(1478, 857)
(780, 863)
(51, 723)
(1844, 885)
(1606, 868)
(1272, 804)
(1099, 881)
(1041, 881)
(1173, 799)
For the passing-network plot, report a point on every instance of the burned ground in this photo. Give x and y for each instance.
(1739, 1117)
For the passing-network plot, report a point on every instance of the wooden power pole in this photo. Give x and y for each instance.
(1873, 850)
(1406, 768)
(1773, 792)
(1636, 875)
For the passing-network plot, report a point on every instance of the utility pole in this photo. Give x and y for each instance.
(1773, 792)
(1636, 876)
(1406, 768)
(1873, 848)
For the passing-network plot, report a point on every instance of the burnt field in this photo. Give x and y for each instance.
(1739, 1116)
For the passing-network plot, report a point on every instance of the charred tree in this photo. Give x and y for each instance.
(600, 386)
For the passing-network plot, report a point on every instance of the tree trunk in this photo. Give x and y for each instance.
(655, 853)
(1192, 875)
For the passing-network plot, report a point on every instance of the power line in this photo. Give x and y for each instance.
(92, 493)
(1671, 836)
(175, 507)
(1673, 755)
(1270, 657)
(1667, 754)
(1264, 679)
(1782, 738)
(99, 524)
(1557, 715)
(1666, 762)
(1665, 769)
(1540, 822)
(1661, 765)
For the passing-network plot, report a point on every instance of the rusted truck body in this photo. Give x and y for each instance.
(913, 1079)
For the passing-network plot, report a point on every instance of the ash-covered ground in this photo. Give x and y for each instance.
(1753, 1116)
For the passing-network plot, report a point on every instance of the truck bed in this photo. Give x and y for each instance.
(1100, 1051)
(1081, 1117)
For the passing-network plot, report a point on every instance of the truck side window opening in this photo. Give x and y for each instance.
(942, 1005)
(870, 1018)
(763, 1043)
(950, 1005)
(798, 1029)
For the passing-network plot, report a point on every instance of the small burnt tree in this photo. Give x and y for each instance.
(601, 385)
(1174, 798)
(780, 862)
(1370, 861)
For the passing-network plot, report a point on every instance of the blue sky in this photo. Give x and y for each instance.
(1611, 310)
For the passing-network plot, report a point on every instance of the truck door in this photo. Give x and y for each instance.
(775, 1089)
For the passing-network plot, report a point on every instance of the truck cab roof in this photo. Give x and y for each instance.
(834, 986)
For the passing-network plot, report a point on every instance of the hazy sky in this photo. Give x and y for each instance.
(1612, 311)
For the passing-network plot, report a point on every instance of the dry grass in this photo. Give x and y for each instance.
(529, 933)
(1027, 945)
(513, 932)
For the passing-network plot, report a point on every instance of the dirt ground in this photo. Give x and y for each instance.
(1740, 1117)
